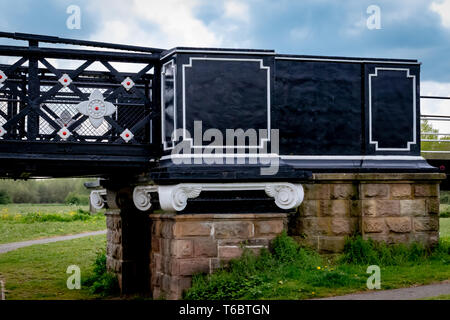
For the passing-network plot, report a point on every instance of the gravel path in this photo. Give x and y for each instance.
(16, 245)
(412, 293)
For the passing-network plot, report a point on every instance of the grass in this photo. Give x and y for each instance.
(39, 272)
(444, 228)
(286, 272)
(25, 208)
(292, 272)
(441, 297)
(28, 222)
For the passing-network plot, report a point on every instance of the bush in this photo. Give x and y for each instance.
(444, 214)
(368, 252)
(251, 275)
(4, 197)
(445, 197)
(45, 190)
(79, 215)
(76, 199)
(102, 282)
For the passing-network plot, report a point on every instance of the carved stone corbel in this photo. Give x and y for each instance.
(98, 198)
(142, 197)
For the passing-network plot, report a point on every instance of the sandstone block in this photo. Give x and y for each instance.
(334, 208)
(341, 226)
(331, 244)
(233, 229)
(317, 191)
(230, 252)
(374, 207)
(155, 244)
(399, 224)
(309, 208)
(413, 207)
(343, 191)
(433, 205)
(188, 267)
(400, 190)
(188, 229)
(426, 224)
(374, 225)
(394, 238)
(315, 226)
(206, 247)
(182, 248)
(269, 227)
(375, 190)
(426, 190)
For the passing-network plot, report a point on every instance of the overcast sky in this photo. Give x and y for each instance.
(416, 29)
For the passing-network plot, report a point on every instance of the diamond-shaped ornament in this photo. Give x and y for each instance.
(3, 76)
(2, 131)
(65, 80)
(128, 83)
(64, 133)
(126, 135)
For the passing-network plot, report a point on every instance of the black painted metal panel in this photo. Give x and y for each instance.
(392, 109)
(317, 107)
(224, 92)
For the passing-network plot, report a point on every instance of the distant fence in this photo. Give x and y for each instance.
(428, 136)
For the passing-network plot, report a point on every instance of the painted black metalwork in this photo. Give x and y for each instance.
(333, 114)
(36, 103)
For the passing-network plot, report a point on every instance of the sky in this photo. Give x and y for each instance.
(409, 29)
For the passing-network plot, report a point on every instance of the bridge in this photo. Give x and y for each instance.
(56, 116)
(435, 144)
(203, 151)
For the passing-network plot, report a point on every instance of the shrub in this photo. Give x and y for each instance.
(79, 215)
(4, 197)
(250, 275)
(76, 199)
(284, 248)
(367, 252)
(444, 214)
(102, 282)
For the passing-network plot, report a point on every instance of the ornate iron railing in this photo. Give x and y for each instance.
(77, 95)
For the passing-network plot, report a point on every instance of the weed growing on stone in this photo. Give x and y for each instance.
(289, 271)
(102, 282)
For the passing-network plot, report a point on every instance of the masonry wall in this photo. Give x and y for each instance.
(128, 243)
(183, 245)
(395, 208)
(159, 253)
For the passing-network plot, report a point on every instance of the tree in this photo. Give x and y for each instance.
(426, 127)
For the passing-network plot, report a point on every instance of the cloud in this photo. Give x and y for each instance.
(236, 10)
(443, 9)
(152, 23)
(300, 33)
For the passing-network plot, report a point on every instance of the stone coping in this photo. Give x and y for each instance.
(217, 216)
(377, 176)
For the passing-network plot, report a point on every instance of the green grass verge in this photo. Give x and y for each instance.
(37, 224)
(292, 272)
(39, 271)
(24, 208)
(441, 297)
(444, 228)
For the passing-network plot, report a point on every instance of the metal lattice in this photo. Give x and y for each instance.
(43, 103)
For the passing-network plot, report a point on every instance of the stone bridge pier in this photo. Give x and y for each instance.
(157, 253)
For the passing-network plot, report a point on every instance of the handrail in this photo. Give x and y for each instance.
(52, 39)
